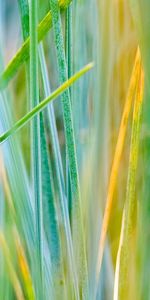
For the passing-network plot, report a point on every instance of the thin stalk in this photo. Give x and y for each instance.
(38, 108)
(69, 59)
(117, 159)
(71, 151)
(124, 268)
(24, 52)
(36, 150)
(24, 15)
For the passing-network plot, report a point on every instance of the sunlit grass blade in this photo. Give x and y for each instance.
(117, 159)
(130, 203)
(23, 53)
(28, 117)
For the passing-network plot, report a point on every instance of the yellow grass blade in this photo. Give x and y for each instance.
(117, 158)
(128, 233)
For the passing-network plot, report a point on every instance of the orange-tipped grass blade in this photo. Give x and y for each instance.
(124, 256)
(117, 158)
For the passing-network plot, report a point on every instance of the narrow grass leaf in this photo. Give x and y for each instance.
(24, 12)
(37, 268)
(117, 159)
(71, 153)
(69, 60)
(130, 194)
(23, 53)
(37, 109)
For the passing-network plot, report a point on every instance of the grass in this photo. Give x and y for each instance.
(38, 108)
(23, 53)
(130, 204)
(117, 158)
(36, 166)
(74, 175)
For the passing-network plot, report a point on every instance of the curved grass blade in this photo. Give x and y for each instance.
(116, 160)
(140, 13)
(23, 53)
(124, 267)
(28, 117)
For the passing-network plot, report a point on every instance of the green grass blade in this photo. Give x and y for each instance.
(36, 151)
(69, 59)
(49, 214)
(23, 53)
(71, 153)
(24, 11)
(28, 117)
(49, 217)
(57, 164)
(51, 123)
